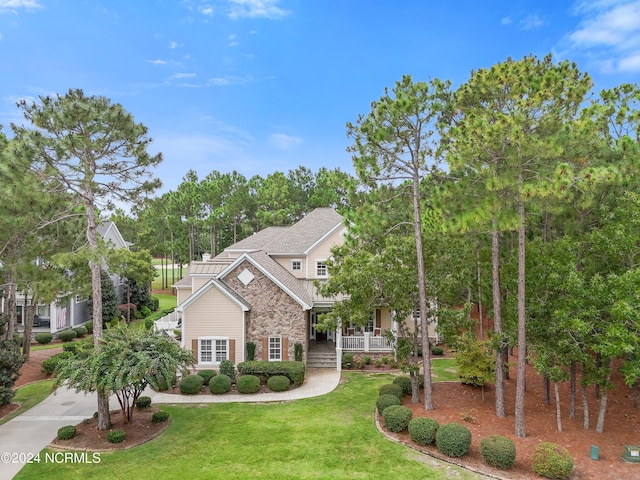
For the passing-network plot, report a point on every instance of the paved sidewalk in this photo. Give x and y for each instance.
(26, 435)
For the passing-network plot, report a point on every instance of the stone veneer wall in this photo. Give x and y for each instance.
(273, 312)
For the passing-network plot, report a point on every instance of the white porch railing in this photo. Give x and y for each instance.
(168, 323)
(366, 343)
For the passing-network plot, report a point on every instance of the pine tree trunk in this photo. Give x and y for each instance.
(585, 407)
(558, 412)
(546, 385)
(520, 431)
(572, 391)
(479, 296)
(29, 311)
(497, 318)
(603, 399)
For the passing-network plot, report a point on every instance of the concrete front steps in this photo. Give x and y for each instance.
(321, 360)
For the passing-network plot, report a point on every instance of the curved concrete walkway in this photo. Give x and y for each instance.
(23, 437)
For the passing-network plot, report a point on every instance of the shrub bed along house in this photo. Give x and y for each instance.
(422, 430)
(551, 461)
(405, 383)
(227, 368)
(453, 439)
(397, 418)
(391, 389)
(191, 384)
(81, 331)
(207, 375)
(248, 384)
(278, 383)
(220, 384)
(386, 400)
(43, 338)
(67, 335)
(498, 451)
(293, 370)
(67, 432)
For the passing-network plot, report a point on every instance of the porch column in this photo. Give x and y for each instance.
(339, 344)
(394, 331)
(367, 341)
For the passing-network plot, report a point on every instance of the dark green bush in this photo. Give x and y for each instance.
(386, 400)
(278, 383)
(453, 439)
(145, 311)
(227, 368)
(148, 323)
(207, 375)
(50, 364)
(293, 370)
(67, 335)
(155, 303)
(89, 326)
(347, 360)
(43, 338)
(551, 461)
(437, 351)
(297, 352)
(405, 383)
(220, 384)
(248, 384)
(159, 417)
(191, 384)
(251, 351)
(70, 347)
(397, 418)
(67, 432)
(143, 402)
(392, 389)
(116, 436)
(423, 430)
(81, 331)
(498, 451)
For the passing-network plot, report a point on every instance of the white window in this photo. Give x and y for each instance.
(42, 311)
(275, 349)
(371, 323)
(321, 268)
(296, 265)
(213, 350)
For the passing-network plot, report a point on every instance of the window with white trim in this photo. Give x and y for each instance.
(296, 265)
(213, 350)
(275, 349)
(371, 322)
(321, 268)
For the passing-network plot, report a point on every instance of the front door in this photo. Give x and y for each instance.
(315, 334)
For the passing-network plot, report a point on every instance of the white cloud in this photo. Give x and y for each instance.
(157, 62)
(506, 21)
(257, 9)
(531, 22)
(609, 33)
(177, 76)
(207, 10)
(282, 141)
(13, 5)
(174, 44)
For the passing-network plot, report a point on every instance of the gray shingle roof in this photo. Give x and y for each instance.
(258, 240)
(300, 237)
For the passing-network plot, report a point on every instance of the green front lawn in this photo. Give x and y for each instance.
(328, 437)
(444, 370)
(29, 396)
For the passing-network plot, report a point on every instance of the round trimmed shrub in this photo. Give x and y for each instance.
(116, 436)
(453, 439)
(191, 384)
(81, 331)
(397, 418)
(220, 384)
(143, 402)
(50, 364)
(423, 430)
(498, 451)
(391, 389)
(207, 375)
(437, 351)
(67, 335)
(67, 432)
(227, 368)
(278, 383)
(386, 400)
(43, 338)
(551, 461)
(89, 327)
(248, 384)
(405, 383)
(159, 417)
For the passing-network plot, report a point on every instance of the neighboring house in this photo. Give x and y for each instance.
(71, 311)
(262, 290)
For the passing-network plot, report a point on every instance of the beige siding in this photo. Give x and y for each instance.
(286, 263)
(322, 251)
(385, 319)
(199, 282)
(215, 315)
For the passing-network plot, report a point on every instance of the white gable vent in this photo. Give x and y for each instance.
(246, 277)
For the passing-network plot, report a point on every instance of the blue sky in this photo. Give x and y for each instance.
(266, 85)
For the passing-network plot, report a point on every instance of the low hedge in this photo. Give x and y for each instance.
(422, 430)
(159, 417)
(278, 383)
(67, 335)
(220, 384)
(116, 436)
(191, 384)
(67, 432)
(437, 351)
(551, 461)
(385, 401)
(248, 384)
(81, 330)
(391, 389)
(405, 383)
(49, 365)
(207, 375)
(43, 338)
(498, 451)
(294, 371)
(397, 418)
(453, 439)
